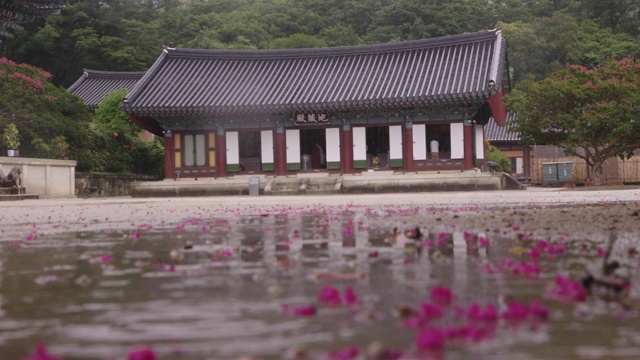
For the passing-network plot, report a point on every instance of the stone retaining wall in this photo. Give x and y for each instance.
(105, 185)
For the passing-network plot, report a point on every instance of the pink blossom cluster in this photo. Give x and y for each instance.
(565, 290)
(145, 353)
(329, 296)
(520, 268)
(544, 247)
(480, 321)
(4, 60)
(32, 83)
(222, 254)
(353, 352)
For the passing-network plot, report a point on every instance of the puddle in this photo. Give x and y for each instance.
(215, 288)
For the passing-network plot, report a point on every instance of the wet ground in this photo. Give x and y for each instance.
(323, 277)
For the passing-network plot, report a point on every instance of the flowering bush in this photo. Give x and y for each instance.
(40, 110)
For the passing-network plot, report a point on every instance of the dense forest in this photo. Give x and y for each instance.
(128, 35)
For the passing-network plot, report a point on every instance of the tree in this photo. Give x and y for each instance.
(11, 137)
(297, 41)
(593, 114)
(118, 147)
(40, 109)
(500, 158)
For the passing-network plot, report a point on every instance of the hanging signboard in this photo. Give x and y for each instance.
(311, 119)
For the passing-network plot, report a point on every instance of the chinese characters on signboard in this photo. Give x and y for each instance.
(302, 119)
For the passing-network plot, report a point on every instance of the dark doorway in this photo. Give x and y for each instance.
(442, 134)
(249, 144)
(313, 148)
(378, 146)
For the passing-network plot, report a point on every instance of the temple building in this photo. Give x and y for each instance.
(94, 86)
(16, 12)
(414, 106)
(507, 140)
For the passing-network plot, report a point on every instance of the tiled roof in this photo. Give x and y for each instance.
(93, 86)
(420, 72)
(495, 132)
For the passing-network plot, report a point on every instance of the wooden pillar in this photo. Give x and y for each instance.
(408, 146)
(221, 152)
(468, 144)
(281, 151)
(526, 159)
(346, 148)
(169, 169)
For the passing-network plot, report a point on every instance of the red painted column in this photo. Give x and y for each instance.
(221, 153)
(408, 146)
(468, 145)
(169, 169)
(346, 147)
(281, 151)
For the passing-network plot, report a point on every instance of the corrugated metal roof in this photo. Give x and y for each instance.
(421, 72)
(495, 132)
(93, 86)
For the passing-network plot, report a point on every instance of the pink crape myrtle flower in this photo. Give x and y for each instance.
(442, 296)
(527, 269)
(350, 296)
(430, 339)
(344, 354)
(467, 333)
(565, 290)
(299, 310)
(475, 313)
(483, 241)
(538, 311)
(490, 269)
(516, 311)
(145, 353)
(430, 312)
(443, 239)
(330, 296)
(42, 354)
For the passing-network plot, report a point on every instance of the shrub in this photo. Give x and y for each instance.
(504, 164)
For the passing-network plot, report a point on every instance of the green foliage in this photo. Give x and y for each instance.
(591, 113)
(148, 158)
(117, 146)
(110, 118)
(42, 148)
(504, 165)
(128, 35)
(39, 109)
(59, 146)
(11, 137)
(297, 41)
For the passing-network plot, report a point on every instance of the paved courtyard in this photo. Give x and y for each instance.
(57, 215)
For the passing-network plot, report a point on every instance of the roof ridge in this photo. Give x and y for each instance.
(338, 50)
(112, 74)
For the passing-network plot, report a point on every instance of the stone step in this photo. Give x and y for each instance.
(304, 186)
(19, 197)
(12, 191)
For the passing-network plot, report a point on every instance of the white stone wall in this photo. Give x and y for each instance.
(44, 177)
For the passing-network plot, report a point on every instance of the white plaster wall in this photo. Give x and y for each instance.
(44, 177)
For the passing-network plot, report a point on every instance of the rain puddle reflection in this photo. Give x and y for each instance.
(315, 285)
